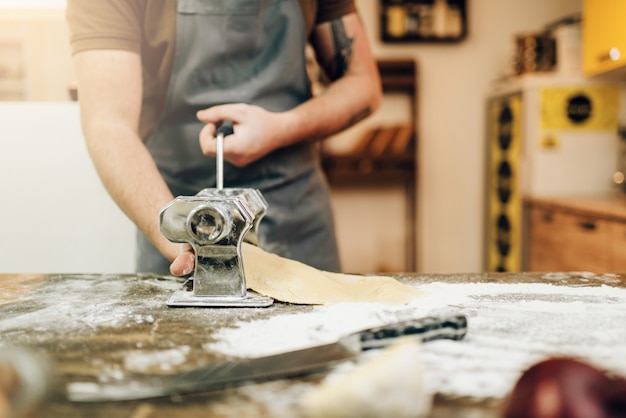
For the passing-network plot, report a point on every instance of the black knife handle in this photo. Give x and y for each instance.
(430, 328)
(225, 128)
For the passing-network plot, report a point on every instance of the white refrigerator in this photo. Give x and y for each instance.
(548, 135)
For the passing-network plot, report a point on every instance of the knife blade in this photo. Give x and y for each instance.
(282, 365)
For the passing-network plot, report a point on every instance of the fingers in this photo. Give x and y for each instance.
(184, 264)
(214, 114)
(211, 117)
(254, 132)
(208, 143)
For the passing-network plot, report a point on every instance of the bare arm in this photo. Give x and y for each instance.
(109, 83)
(343, 49)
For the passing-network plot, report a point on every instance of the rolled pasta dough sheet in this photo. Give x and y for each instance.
(294, 282)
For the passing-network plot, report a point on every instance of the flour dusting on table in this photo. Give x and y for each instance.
(510, 327)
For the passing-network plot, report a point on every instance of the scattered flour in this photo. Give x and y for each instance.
(511, 326)
(156, 361)
(79, 304)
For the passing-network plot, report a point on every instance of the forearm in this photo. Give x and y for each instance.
(259, 132)
(131, 178)
(109, 85)
(342, 105)
(355, 92)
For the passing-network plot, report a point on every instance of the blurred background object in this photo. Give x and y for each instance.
(25, 382)
(567, 388)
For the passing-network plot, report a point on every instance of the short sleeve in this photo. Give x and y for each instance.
(105, 24)
(333, 9)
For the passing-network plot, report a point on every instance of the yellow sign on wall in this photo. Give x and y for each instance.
(580, 108)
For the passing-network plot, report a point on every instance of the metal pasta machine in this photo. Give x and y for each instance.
(215, 222)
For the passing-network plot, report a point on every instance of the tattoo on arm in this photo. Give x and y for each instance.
(342, 45)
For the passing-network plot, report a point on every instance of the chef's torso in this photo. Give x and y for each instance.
(231, 51)
(245, 51)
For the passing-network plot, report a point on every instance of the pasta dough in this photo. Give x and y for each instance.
(390, 384)
(291, 281)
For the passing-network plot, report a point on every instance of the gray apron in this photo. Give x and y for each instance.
(244, 51)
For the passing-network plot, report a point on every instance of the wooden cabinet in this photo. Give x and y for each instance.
(617, 238)
(567, 238)
(543, 226)
(562, 241)
(604, 36)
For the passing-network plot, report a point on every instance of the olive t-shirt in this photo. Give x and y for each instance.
(148, 27)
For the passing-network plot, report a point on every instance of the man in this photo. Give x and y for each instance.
(155, 76)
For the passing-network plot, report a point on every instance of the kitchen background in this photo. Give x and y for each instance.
(56, 216)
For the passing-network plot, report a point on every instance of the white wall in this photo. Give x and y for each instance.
(55, 216)
(454, 80)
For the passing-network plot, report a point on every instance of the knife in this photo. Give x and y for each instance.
(282, 365)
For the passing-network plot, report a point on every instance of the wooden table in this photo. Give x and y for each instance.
(90, 325)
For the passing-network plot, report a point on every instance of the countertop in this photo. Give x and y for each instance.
(100, 327)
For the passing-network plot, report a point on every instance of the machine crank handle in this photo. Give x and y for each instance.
(224, 128)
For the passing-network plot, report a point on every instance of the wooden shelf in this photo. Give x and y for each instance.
(411, 21)
(398, 75)
(385, 153)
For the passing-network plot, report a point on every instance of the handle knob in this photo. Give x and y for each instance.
(612, 54)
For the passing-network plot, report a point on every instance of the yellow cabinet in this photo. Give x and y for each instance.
(604, 36)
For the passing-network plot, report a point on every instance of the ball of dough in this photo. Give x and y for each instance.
(389, 384)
